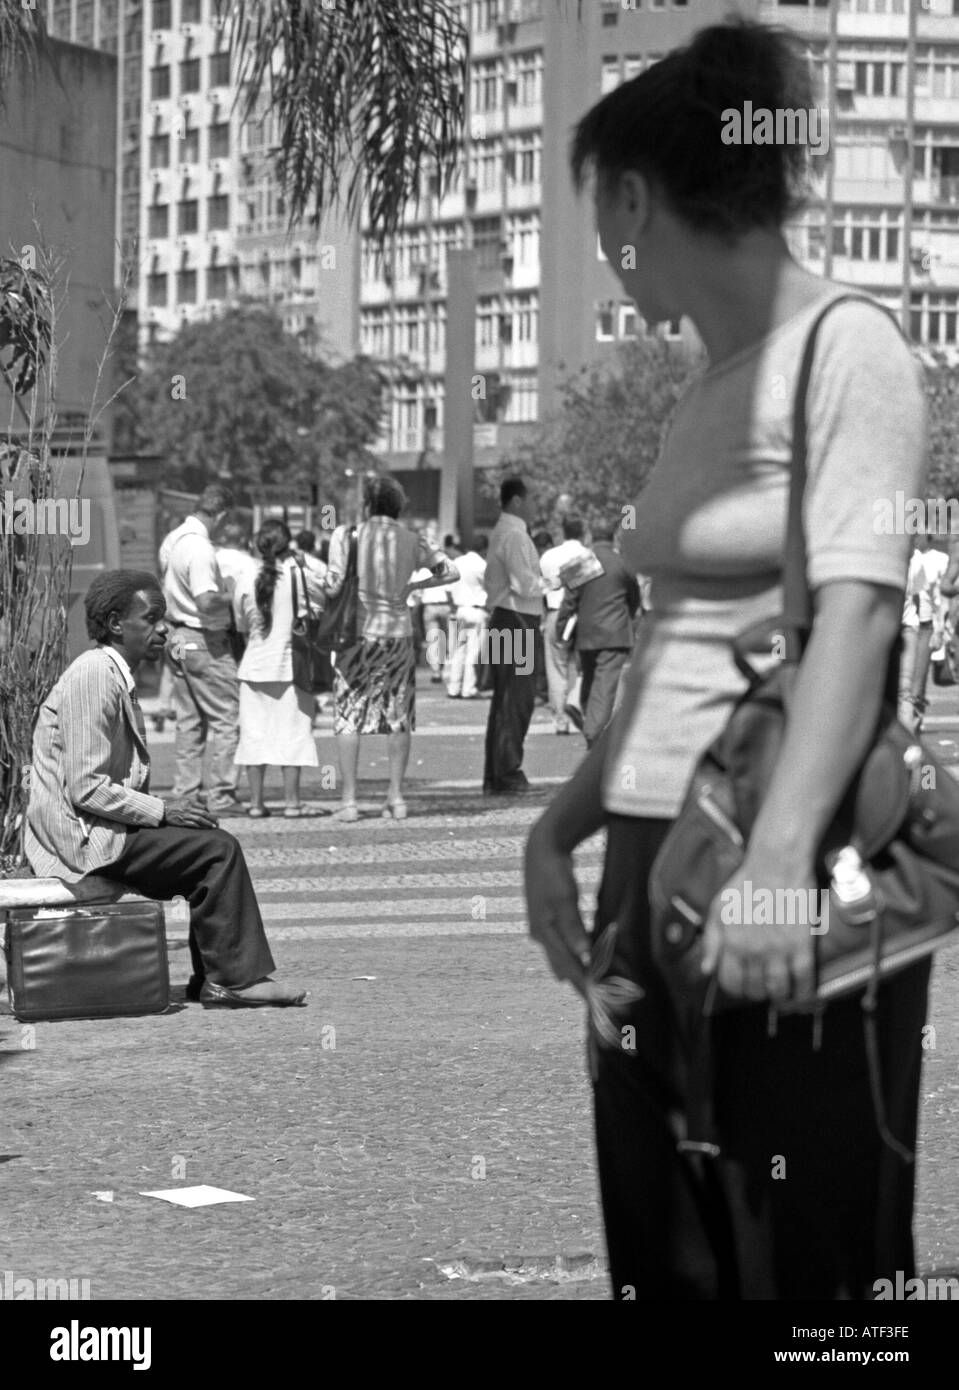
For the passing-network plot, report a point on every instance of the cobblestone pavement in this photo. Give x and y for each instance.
(421, 1131)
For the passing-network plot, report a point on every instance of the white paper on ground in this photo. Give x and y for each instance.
(197, 1196)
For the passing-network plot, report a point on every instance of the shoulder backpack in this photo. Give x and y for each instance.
(890, 859)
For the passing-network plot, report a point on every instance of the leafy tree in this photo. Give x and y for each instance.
(606, 435)
(236, 396)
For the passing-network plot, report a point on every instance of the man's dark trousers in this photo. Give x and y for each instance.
(510, 647)
(601, 669)
(228, 945)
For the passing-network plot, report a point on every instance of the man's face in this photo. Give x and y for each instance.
(142, 633)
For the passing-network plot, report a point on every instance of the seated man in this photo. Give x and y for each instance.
(91, 812)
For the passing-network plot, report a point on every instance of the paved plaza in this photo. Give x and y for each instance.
(421, 1131)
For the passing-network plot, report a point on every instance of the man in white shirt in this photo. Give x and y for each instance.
(205, 691)
(928, 569)
(469, 599)
(514, 594)
(237, 566)
(560, 659)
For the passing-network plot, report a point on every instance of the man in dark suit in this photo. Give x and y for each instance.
(604, 609)
(91, 810)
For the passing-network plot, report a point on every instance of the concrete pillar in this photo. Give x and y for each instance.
(456, 477)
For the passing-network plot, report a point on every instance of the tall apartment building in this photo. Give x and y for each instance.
(893, 234)
(200, 217)
(546, 301)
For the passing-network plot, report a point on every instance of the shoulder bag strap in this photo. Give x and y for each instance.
(797, 599)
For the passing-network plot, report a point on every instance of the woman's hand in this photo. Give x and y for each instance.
(771, 958)
(552, 905)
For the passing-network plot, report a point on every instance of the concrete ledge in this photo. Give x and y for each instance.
(54, 892)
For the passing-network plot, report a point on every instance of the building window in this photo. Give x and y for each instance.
(190, 146)
(219, 136)
(187, 216)
(218, 212)
(220, 69)
(216, 282)
(186, 287)
(628, 321)
(487, 233)
(522, 399)
(487, 323)
(191, 11)
(522, 313)
(159, 151)
(523, 234)
(487, 86)
(605, 323)
(160, 14)
(526, 152)
(190, 75)
(157, 291)
(609, 75)
(158, 220)
(486, 15)
(485, 165)
(933, 318)
(529, 79)
(160, 82)
(374, 332)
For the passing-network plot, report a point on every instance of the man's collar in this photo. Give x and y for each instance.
(122, 666)
(512, 519)
(194, 524)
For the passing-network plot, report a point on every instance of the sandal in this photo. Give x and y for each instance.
(258, 812)
(291, 812)
(349, 812)
(395, 809)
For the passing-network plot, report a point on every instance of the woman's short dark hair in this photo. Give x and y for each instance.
(384, 496)
(272, 541)
(667, 124)
(113, 591)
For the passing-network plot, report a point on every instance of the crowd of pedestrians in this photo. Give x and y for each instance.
(513, 617)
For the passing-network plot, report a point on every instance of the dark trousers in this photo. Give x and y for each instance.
(601, 671)
(228, 945)
(510, 646)
(805, 1202)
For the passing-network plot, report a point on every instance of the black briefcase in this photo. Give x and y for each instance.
(100, 960)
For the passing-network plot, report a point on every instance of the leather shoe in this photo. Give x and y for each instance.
(219, 997)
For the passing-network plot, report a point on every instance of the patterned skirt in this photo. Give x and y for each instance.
(374, 687)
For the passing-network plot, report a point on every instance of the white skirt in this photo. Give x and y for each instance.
(276, 725)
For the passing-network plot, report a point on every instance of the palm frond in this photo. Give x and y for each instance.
(367, 96)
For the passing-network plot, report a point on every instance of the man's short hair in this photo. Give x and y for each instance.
(481, 545)
(510, 488)
(113, 591)
(306, 541)
(214, 498)
(543, 541)
(604, 530)
(384, 496)
(233, 533)
(573, 528)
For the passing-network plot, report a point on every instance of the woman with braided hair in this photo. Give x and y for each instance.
(276, 719)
